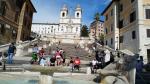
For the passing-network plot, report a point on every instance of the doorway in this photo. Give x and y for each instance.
(148, 55)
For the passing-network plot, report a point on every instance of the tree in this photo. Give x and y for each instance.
(96, 17)
(84, 31)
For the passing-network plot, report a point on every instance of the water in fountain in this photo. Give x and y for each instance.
(18, 79)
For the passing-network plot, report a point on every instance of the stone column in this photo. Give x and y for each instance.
(21, 19)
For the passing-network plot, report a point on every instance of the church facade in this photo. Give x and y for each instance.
(68, 26)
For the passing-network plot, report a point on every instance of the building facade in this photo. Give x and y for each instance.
(68, 26)
(127, 26)
(99, 29)
(10, 18)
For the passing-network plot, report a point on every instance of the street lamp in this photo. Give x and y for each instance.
(117, 43)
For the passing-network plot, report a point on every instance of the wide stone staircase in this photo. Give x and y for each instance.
(71, 51)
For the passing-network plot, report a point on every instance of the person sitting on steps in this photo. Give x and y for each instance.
(77, 63)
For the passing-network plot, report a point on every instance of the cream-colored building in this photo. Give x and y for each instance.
(127, 26)
(99, 29)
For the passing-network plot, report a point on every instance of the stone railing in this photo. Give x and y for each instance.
(4, 48)
(123, 70)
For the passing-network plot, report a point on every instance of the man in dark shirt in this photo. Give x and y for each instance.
(11, 52)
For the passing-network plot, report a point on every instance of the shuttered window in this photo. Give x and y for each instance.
(133, 35)
(148, 32)
(121, 39)
(2, 8)
(147, 13)
(132, 16)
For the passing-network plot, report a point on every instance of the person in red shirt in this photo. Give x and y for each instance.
(77, 63)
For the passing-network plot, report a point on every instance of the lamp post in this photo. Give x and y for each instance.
(4, 60)
(117, 43)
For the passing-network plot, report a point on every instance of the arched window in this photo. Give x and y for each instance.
(63, 14)
(77, 14)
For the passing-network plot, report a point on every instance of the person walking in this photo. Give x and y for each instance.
(139, 64)
(11, 52)
(94, 65)
(107, 57)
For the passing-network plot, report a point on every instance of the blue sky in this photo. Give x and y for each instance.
(48, 11)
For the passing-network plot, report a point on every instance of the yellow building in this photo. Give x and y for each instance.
(127, 26)
(99, 29)
(15, 18)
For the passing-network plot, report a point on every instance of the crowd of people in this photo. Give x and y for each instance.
(102, 59)
(58, 57)
(53, 58)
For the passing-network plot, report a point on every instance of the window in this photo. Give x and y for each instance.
(112, 12)
(121, 24)
(112, 27)
(132, 1)
(63, 14)
(77, 14)
(106, 17)
(133, 35)
(111, 41)
(120, 7)
(106, 30)
(148, 32)
(121, 39)
(147, 13)
(3, 29)
(132, 17)
(2, 8)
